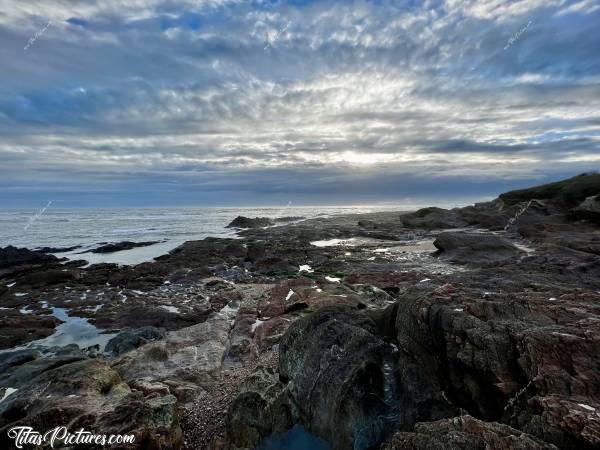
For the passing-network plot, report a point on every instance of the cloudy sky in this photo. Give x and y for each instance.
(230, 102)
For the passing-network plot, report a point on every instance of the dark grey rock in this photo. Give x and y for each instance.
(274, 265)
(256, 251)
(348, 384)
(55, 391)
(16, 358)
(467, 248)
(120, 246)
(129, 340)
(566, 193)
(12, 256)
(589, 209)
(246, 222)
(57, 249)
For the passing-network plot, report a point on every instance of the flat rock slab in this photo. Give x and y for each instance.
(469, 247)
(191, 354)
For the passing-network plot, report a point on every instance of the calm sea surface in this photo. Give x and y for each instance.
(88, 227)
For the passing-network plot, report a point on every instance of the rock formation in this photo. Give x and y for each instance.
(352, 326)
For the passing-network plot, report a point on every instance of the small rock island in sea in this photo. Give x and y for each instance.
(470, 328)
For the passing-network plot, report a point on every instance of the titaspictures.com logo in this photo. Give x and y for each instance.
(60, 436)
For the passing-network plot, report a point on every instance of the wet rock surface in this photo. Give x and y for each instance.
(349, 383)
(474, 247)
(120, 246)
(132, 339)
(57, 249)
(12, 256)
(385, 329)
(247, 222)
(288, 219)
(86, 393)
(589, 209)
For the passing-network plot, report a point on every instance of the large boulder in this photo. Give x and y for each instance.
(348, 385)
(12, 256)
(193, 354)
(85, 393)
(518, 358)
(589, 209)
(275, 265)
(490, 215)
(464, 248)
(259, 410)
(247, 222)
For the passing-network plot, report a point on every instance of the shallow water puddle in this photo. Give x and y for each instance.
(74, 330)
(295, 439)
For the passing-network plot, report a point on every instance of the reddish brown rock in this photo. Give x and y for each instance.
(464, 433)
(269, 332)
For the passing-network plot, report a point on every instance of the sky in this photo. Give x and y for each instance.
(267, 102)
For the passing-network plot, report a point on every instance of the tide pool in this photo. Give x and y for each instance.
(296, 438)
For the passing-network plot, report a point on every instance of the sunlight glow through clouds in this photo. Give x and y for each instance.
(407, 92)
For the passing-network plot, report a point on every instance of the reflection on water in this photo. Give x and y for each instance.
(88, 227)
(295, 439)
(125, 257)
(74, 330)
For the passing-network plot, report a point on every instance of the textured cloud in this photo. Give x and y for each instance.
(387, 98)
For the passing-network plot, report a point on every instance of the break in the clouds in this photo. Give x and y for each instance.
(230, 102)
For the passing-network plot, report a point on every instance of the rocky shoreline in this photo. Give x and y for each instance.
(469, 328)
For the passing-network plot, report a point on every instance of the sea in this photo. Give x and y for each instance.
(89, 227)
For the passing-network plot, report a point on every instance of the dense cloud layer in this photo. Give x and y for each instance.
(225, 101)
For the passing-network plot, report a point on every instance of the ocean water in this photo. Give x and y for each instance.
(54, 227)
